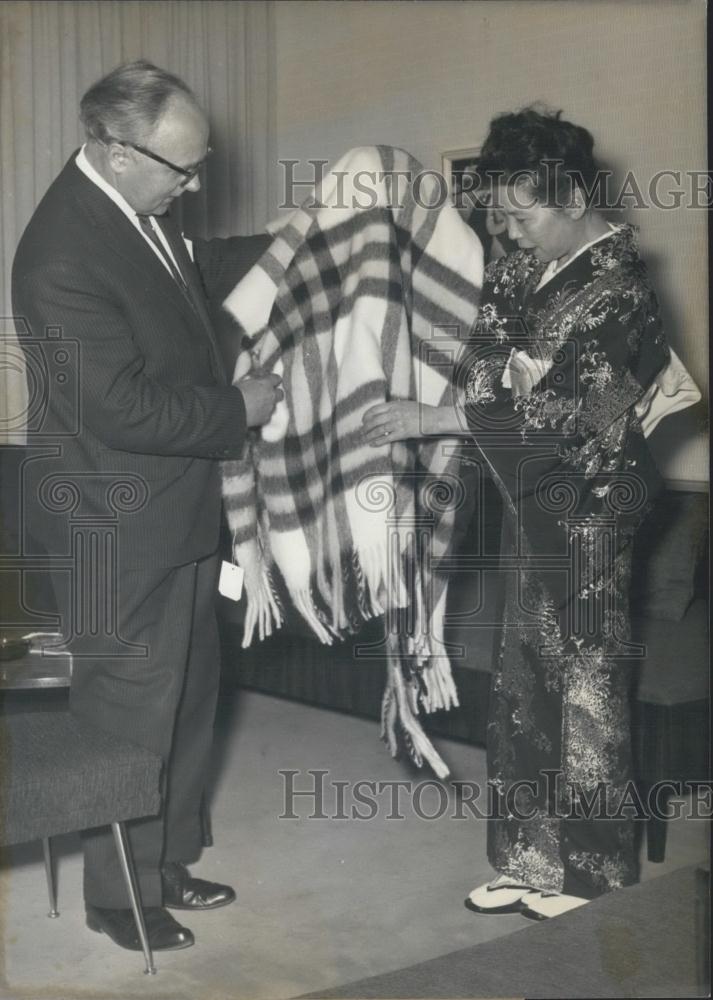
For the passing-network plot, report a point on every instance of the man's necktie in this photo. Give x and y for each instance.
(148, 229)
(184, 272)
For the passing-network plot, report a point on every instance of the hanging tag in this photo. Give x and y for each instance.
(230, 584)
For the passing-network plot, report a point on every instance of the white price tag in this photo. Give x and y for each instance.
(230, 584)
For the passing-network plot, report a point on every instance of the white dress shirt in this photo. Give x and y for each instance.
(96, 178)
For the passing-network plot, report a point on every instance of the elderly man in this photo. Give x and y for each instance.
(102, 262)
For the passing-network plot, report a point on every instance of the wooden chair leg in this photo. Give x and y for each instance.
(49, 872)
(656, 830)
(127, 868)
(656, 839)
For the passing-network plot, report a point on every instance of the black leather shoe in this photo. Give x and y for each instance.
(183, 892)
(164, 933)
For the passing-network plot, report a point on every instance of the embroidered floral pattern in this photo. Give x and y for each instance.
(483, 378)
(543, 409)
(489, 322)
(592, 751)
(510, 276)
(533, 853)
(605, 872)
(601, 453)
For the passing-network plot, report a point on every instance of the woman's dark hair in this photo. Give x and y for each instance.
(539, 145)
(128, 102)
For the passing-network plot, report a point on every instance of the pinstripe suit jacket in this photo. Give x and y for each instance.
(135, 385)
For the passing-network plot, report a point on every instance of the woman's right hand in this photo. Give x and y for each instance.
(394, 421)
(403, 418)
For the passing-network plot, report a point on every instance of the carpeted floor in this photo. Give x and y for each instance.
(321, 901)
(645, 941)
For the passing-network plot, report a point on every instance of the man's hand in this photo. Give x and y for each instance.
(261, 394)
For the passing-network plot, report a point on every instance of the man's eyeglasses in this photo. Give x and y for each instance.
(187, 172)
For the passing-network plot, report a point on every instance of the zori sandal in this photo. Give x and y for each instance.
(502, 895)
(542, 905)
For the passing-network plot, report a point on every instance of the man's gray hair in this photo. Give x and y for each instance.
(127, 103)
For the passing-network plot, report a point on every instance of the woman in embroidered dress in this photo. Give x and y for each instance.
(567, 343)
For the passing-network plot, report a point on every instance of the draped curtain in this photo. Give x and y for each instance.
(51, 52)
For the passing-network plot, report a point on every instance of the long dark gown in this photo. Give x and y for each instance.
(576, 478)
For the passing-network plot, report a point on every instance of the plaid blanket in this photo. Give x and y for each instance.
(358, 300)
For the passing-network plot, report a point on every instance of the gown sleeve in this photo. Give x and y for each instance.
(578, 418)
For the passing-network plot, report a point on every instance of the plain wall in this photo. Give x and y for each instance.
(428, 76)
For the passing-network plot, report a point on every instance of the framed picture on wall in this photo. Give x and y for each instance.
(457, 163)
(485, 220)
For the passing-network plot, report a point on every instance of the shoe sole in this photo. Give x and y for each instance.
(533, 914)
(516, 907)
(197, 909)
(98, 929)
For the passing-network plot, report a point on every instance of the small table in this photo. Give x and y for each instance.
(36, 670)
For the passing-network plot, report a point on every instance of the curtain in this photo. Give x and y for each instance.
(51, 52)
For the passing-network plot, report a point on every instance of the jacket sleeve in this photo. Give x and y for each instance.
(223, 262)
(119, 403)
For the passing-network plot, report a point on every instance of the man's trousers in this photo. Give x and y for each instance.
(162, 698)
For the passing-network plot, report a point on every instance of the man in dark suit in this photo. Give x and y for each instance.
(102, 266)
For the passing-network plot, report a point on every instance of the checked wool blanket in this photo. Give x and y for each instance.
(364, 296)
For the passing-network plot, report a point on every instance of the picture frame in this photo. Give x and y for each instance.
(455, 162)
(474, 207)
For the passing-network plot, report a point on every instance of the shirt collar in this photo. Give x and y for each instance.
(96, 178)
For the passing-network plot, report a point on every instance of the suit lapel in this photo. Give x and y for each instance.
(121, 237)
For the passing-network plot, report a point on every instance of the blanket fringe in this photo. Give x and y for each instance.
(262, 602)
(431, 688)
(399, 725)
(304, 603)
(439, 692)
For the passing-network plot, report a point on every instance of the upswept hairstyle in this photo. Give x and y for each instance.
(127, 103)
(539, 145)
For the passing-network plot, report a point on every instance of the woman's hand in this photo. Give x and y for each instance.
(394, 421)
(520, 380)
(522, 372)
(403, 418)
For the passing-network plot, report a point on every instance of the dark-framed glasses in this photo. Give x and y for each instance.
(188, 173)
